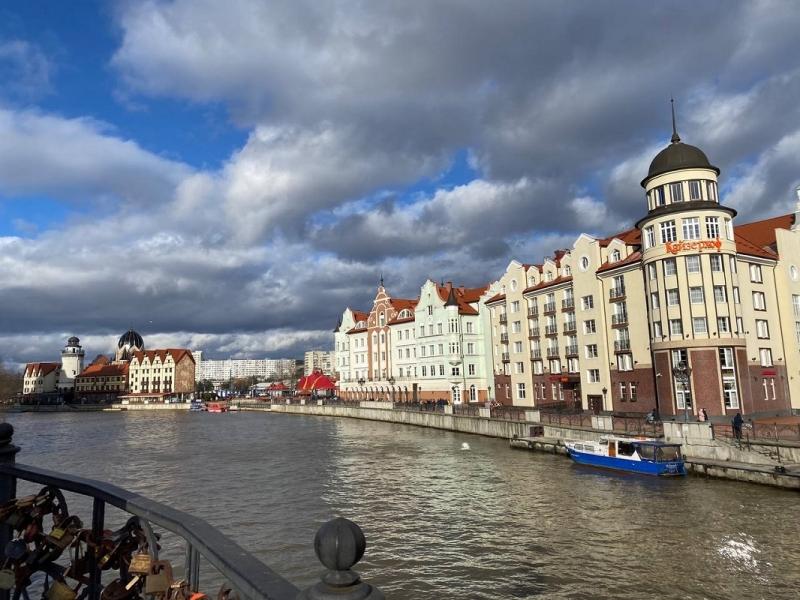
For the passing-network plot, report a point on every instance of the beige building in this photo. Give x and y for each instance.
(161, 373)
(684, 312)
(319, 360)
(41, 378)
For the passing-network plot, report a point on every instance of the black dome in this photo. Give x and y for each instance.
(131, 339)
(73, 341)
(678, 156)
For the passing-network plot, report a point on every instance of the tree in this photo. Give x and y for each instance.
(10, 383)
(204, 386)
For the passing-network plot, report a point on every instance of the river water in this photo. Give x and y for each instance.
(440, 522)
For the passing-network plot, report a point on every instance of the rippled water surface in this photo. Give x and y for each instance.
(440, 522)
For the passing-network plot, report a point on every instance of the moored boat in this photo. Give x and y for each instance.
(197, 406)
(631, 455)
(217, 407)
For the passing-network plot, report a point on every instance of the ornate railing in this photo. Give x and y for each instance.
(27, 548)
(508, 413)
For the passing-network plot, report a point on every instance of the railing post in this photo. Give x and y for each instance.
(98, 525)
(339, 545)
(8, 489)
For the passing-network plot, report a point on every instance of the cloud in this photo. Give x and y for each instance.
(26, 71)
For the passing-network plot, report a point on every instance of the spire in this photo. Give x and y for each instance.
(675, 137)
(451, 298)
(338, 325)
(381, 278)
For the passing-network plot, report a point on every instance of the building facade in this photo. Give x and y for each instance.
(319, 360)
(102, 382)
(219, 371)
(162, 372)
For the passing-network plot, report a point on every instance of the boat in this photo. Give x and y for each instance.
(632, 455)
(197, 406)
(217, 407)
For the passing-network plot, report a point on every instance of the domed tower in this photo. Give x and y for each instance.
(689, 263)
(129, 342)
(71, 364)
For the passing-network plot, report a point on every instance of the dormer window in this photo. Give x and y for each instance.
(548, 276)
(712, 190)
(615, 256)
(567, 271)
(659, 197)
(695, 190)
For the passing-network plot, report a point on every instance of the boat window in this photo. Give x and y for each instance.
(625, 449)
(603, 442)
(646, 452)
(578, 446)
(668, 453)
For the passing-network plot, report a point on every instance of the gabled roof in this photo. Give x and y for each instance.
(547, 284)
(41, 369)
(463, 297)
(633, 257)
(176, 354)
(631, 237)
(495, 298)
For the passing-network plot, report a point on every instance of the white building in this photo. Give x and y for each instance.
(318, 360)
(218, 371)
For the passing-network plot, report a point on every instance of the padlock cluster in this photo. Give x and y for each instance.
(126, 550)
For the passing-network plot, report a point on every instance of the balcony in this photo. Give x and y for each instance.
(619, 319)
(570, 327)
(534, 333)
(616, 293)
(571, 351)
(505, 357)
(533, 311)
(503, 317)
(551, 330)
(549, 307)
(568, 304)
(536, 353)
(622, 345)
(503, 337)
(552, 352)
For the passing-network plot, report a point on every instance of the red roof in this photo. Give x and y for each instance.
(109, 370)
(177, 354)
(41, 369)
(315, 381)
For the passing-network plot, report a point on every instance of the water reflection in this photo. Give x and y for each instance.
(440, 522)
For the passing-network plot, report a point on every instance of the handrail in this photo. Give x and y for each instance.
(248, 575)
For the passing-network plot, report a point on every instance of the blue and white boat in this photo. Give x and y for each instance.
(631, 455)
(197, 406)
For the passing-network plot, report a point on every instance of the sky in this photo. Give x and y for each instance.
(230, 176)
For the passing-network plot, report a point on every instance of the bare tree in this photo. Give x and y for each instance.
(10, 383)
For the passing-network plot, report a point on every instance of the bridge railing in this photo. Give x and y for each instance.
(339, 544)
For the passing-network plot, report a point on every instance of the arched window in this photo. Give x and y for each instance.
(382, 319)
(473, 393)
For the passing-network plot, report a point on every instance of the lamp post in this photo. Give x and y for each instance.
(361, 383)
(682, 372)
(605, 391)
(391, 381)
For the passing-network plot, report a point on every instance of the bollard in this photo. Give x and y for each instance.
(8, 488)
(340, 544)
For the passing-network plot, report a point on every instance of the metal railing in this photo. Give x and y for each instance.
(467, 410)
(759, 431)
(249, 577)
(637, 424)
(616, 292)
(566, 417)
(508, 413)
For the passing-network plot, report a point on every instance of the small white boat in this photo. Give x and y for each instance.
(465, 446)
(631, 455)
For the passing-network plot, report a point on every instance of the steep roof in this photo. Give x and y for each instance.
(176, 353)
(41, 369)
(758, 238)
(104, 370)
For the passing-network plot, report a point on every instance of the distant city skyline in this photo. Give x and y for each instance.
(229, 176)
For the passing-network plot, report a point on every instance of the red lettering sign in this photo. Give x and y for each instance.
(694, 246)
(769, 372)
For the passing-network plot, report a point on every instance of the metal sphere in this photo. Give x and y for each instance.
(339, 544)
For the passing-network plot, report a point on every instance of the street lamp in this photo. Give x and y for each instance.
(682, 373)
(605, 391)
(361, 383)
(391, 381)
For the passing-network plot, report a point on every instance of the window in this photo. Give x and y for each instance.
(516, 326)
(675, 327)
(762, 329)
(755, 273)
(623, 392)
(584, 264)
(797, 330)
(695, 190)
(555, 366)
(519, 367)
(720, 294)
(796, 305)
(654, 300)
(587, 303)
(520, 391)
(729, 389)
(691, 228)
(593, 375)
(723, 325)
(729, 229)
(712, 227)
(699, 325)
(682, 389)
(649, 237)
(733, 264)
(454, 371)
(439, 328)
(591, 351)
(515, 306)
(470, 327)
(615, 256)
(424, 371)
(651, 271)
(692, 264)
(670, 267)
(766, 357)
(711, 188)
(716, 263)
(471, 369)
(668, 232)
(625, 362)
(517, 347)
(739, 325)
(657, 332)
(696, 295)
(676, 192)
(441, 370)
(673, 298)
(589, 326)
(538, 367)
(759, 301)
(430, 310)
(736, 297)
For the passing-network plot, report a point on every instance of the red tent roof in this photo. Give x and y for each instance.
(315, 381)
(278, 386)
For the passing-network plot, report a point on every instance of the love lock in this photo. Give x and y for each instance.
(158, 579)
(7, 579)
(16, 549)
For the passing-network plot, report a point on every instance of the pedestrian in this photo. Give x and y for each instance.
(705, 414)
(738, 421)
(701, 415)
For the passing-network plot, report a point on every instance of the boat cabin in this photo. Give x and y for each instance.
(649, 450)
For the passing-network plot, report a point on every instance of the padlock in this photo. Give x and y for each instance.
(59, 590)
(140, 564)
(7, 579)
(16, 549)
(178, 590)
(61, 537)
(158, 579)
(116, 590)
